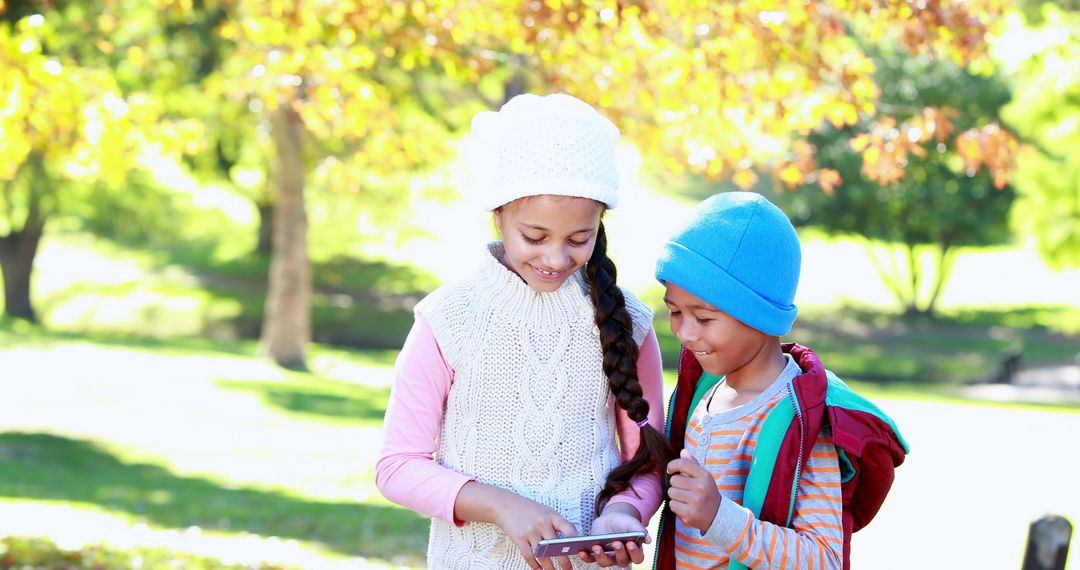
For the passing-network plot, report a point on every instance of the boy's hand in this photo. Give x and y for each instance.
(617, 517)
(693, 495)
(527, 523)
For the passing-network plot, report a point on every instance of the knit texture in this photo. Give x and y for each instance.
(529, 408)
(556, 144)
(741, 254)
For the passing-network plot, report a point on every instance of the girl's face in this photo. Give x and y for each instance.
(723, 344)
(548, 238)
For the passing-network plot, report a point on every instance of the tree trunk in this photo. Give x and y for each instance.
(514, 86)
(17, 252)
(286, 328)
(266, 228)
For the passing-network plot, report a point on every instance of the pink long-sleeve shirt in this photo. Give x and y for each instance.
(406, 472)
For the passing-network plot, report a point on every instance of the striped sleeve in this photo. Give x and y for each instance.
(817, 540)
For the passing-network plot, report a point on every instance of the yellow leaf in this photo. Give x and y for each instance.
(791, 175)
(851, 115)
(871, 157)
(745, 179)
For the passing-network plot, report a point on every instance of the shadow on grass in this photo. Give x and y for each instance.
(41, 466)
(26, 333)
(325, 399)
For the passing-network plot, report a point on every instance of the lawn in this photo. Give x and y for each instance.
(194, 446)
(197, 438)
(138, 422)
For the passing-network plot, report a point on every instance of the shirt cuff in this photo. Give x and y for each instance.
(729, 523)
(460, 483)
(644, 494)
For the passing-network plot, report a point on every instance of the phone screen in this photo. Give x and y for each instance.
(570, 546)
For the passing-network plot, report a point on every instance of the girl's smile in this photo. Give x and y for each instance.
(548, 238)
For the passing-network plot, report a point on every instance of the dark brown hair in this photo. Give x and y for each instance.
(620, 354)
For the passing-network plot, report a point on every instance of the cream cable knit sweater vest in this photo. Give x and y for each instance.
(529, 408)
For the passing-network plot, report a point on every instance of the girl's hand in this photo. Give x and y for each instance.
(617, 517)
(693, 495)
(527, 523)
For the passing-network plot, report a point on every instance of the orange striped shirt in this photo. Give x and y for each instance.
(723, 442)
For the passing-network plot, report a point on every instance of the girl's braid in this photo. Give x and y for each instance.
(620, 354)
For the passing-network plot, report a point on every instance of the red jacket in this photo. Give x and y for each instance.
(869, 444)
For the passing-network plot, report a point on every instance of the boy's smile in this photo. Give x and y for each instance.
(722, 344)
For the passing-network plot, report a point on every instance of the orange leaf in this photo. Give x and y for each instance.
(829, 179)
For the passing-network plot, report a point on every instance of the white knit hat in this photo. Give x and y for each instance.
(555, 144)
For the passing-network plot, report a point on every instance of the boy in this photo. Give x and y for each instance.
(779, 462)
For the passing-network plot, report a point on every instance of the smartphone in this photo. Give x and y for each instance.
(571, 545)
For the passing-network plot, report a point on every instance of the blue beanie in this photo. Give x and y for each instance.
(740, 253)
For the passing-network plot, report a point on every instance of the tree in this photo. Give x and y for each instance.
(64, 121)
(727, 89)
(940, 200)
(343, 88)
(717, 88)
(1045, 112)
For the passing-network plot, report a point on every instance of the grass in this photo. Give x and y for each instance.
(192, 290)
(902, 357)
(42, 554)
(141, 408)
(190, 434)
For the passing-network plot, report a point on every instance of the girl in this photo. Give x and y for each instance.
(527, 399)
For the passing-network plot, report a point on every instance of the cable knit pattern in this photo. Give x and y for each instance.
(529, 408)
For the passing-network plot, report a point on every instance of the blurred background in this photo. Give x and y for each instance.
(217, 215)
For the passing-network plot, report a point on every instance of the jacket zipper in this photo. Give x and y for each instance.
(667, 429)
(802, 445)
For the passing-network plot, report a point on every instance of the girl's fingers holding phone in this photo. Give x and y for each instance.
(563, 527)
(602, 557)
(527, 551)
(620, 555)
(634, 552)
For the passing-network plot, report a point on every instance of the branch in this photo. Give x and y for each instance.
(944, 268)
(418, 92)
(882, 273)
(913, 273)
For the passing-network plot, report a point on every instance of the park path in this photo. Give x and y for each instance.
(976, 477)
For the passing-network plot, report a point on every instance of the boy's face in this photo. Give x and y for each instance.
(721, 343)
(548, 238)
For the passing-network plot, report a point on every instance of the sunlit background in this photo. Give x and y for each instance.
(217, 215)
